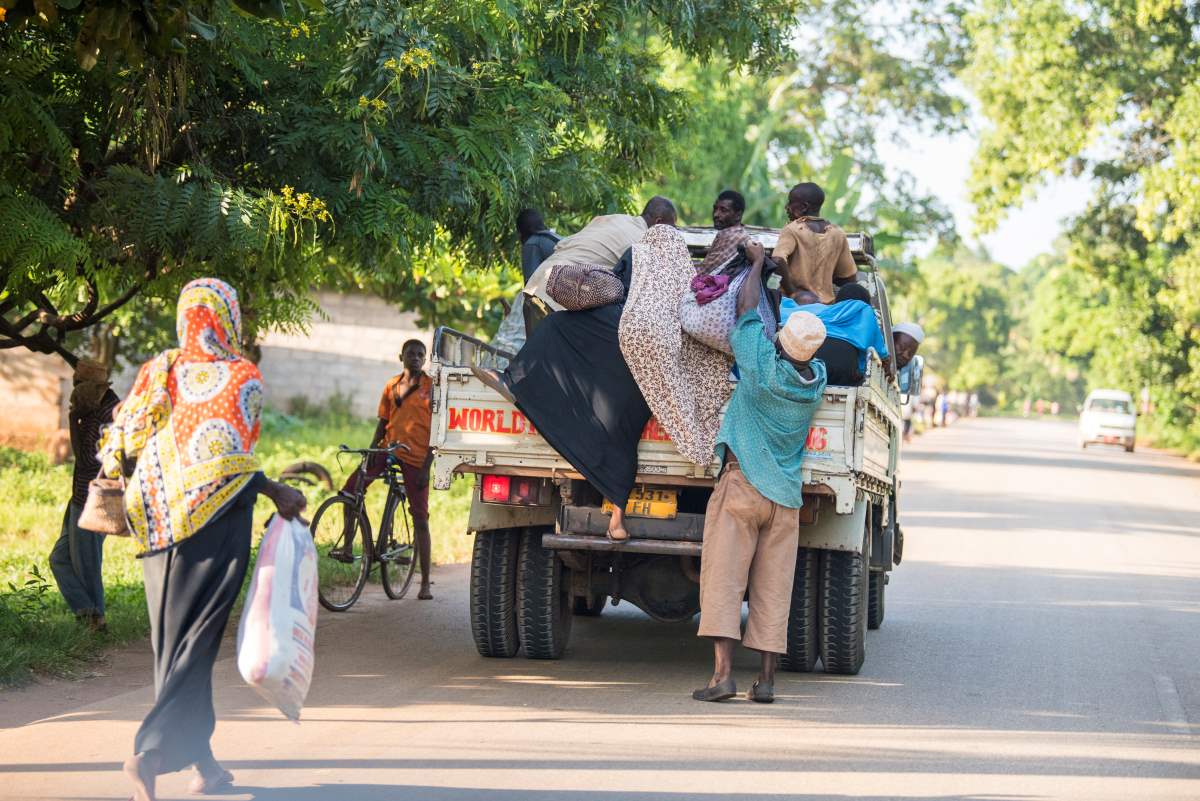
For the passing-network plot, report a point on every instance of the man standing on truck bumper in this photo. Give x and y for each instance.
(752, 524)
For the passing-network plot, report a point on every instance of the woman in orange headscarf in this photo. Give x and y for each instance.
(185, 439)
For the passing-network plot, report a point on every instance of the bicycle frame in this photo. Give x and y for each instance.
(396, 495)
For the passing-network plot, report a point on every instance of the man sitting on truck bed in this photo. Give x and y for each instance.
(812, 252)
(850, 329)
(752, 524)
(602, 241)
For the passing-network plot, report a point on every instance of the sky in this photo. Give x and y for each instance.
(941, 165)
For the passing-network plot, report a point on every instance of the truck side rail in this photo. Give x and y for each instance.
(456, 349)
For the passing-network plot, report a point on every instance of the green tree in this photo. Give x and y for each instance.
(1107, 89)
(362, 144)
(860, 68)
(963, 300)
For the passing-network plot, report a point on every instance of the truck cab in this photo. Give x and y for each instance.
(541, 556)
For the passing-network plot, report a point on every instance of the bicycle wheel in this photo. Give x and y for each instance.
(342, 536)
(398, 554)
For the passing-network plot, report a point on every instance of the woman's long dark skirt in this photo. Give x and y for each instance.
(573, 384)
(190, 591)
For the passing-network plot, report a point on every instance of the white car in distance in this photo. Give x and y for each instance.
(1108, 417)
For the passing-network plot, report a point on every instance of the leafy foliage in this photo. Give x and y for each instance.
(360, 145)
(860, 68)
(1108, 89)
(966, 304)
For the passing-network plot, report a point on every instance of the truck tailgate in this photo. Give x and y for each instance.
(475, 429)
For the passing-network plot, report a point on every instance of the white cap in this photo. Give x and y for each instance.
(912, 329)
(801, 335)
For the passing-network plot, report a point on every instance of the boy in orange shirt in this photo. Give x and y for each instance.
(404, 418)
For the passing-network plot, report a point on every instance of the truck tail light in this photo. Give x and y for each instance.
(524, 491)
(514, 490)
(496, 489)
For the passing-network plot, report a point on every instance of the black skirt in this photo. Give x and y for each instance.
(190, 591)
(572, 382)
(841, 362)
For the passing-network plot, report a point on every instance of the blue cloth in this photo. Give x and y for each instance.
(766, 422)
(850, 321)
(76, 561)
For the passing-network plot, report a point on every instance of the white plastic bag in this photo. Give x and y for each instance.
(279, 620)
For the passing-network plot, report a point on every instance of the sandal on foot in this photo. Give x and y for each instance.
(202, 785)
(718, 692)
(761, 694)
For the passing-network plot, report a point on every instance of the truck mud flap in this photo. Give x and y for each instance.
(834, 532)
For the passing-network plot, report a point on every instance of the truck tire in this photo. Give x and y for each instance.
(844, 596)
(494, 592)
(875, 600)
(582, 609)
(544, 603)
(803, 647)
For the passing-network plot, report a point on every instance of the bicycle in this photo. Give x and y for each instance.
(341, 533)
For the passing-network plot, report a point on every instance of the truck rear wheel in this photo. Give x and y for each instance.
(803, 648)
(494, 592)
(544, 603)
(844, 596)
(875, 599)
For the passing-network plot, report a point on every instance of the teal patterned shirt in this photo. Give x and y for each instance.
(766, 423)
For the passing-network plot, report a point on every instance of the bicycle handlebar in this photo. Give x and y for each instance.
(368, 451)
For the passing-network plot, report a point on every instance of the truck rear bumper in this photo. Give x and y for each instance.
(586, 542)
(590, 521)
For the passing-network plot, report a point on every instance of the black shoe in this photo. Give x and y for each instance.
(763, 694)
(720, 692)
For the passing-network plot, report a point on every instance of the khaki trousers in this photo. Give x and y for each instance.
(747, 539)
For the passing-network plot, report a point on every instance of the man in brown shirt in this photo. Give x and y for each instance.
(812, 252)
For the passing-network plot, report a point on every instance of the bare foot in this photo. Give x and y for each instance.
(141, 772)
(616, 526)
(618, 534)
(424, 594)
(210, 778)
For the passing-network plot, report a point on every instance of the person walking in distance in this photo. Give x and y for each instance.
(752, 523)
(78, 554)
(404, 419)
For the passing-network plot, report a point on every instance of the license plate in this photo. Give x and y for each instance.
(658, 503)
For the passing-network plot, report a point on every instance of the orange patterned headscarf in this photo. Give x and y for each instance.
(191, 422)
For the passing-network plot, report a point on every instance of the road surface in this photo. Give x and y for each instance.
(1042, 641)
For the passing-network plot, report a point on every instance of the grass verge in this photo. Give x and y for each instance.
(38, 634)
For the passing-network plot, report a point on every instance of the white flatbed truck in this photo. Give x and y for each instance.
(541, 555)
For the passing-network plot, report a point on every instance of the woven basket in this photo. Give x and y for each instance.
(104, 510)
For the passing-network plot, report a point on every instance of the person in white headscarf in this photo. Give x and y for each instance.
(906, 338)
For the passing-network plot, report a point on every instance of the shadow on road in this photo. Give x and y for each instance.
(1049, 459)
(383, 792)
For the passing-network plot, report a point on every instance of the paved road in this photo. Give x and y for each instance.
(1042, 642)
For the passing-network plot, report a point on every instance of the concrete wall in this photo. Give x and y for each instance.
(34, 390)
(352, 352)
